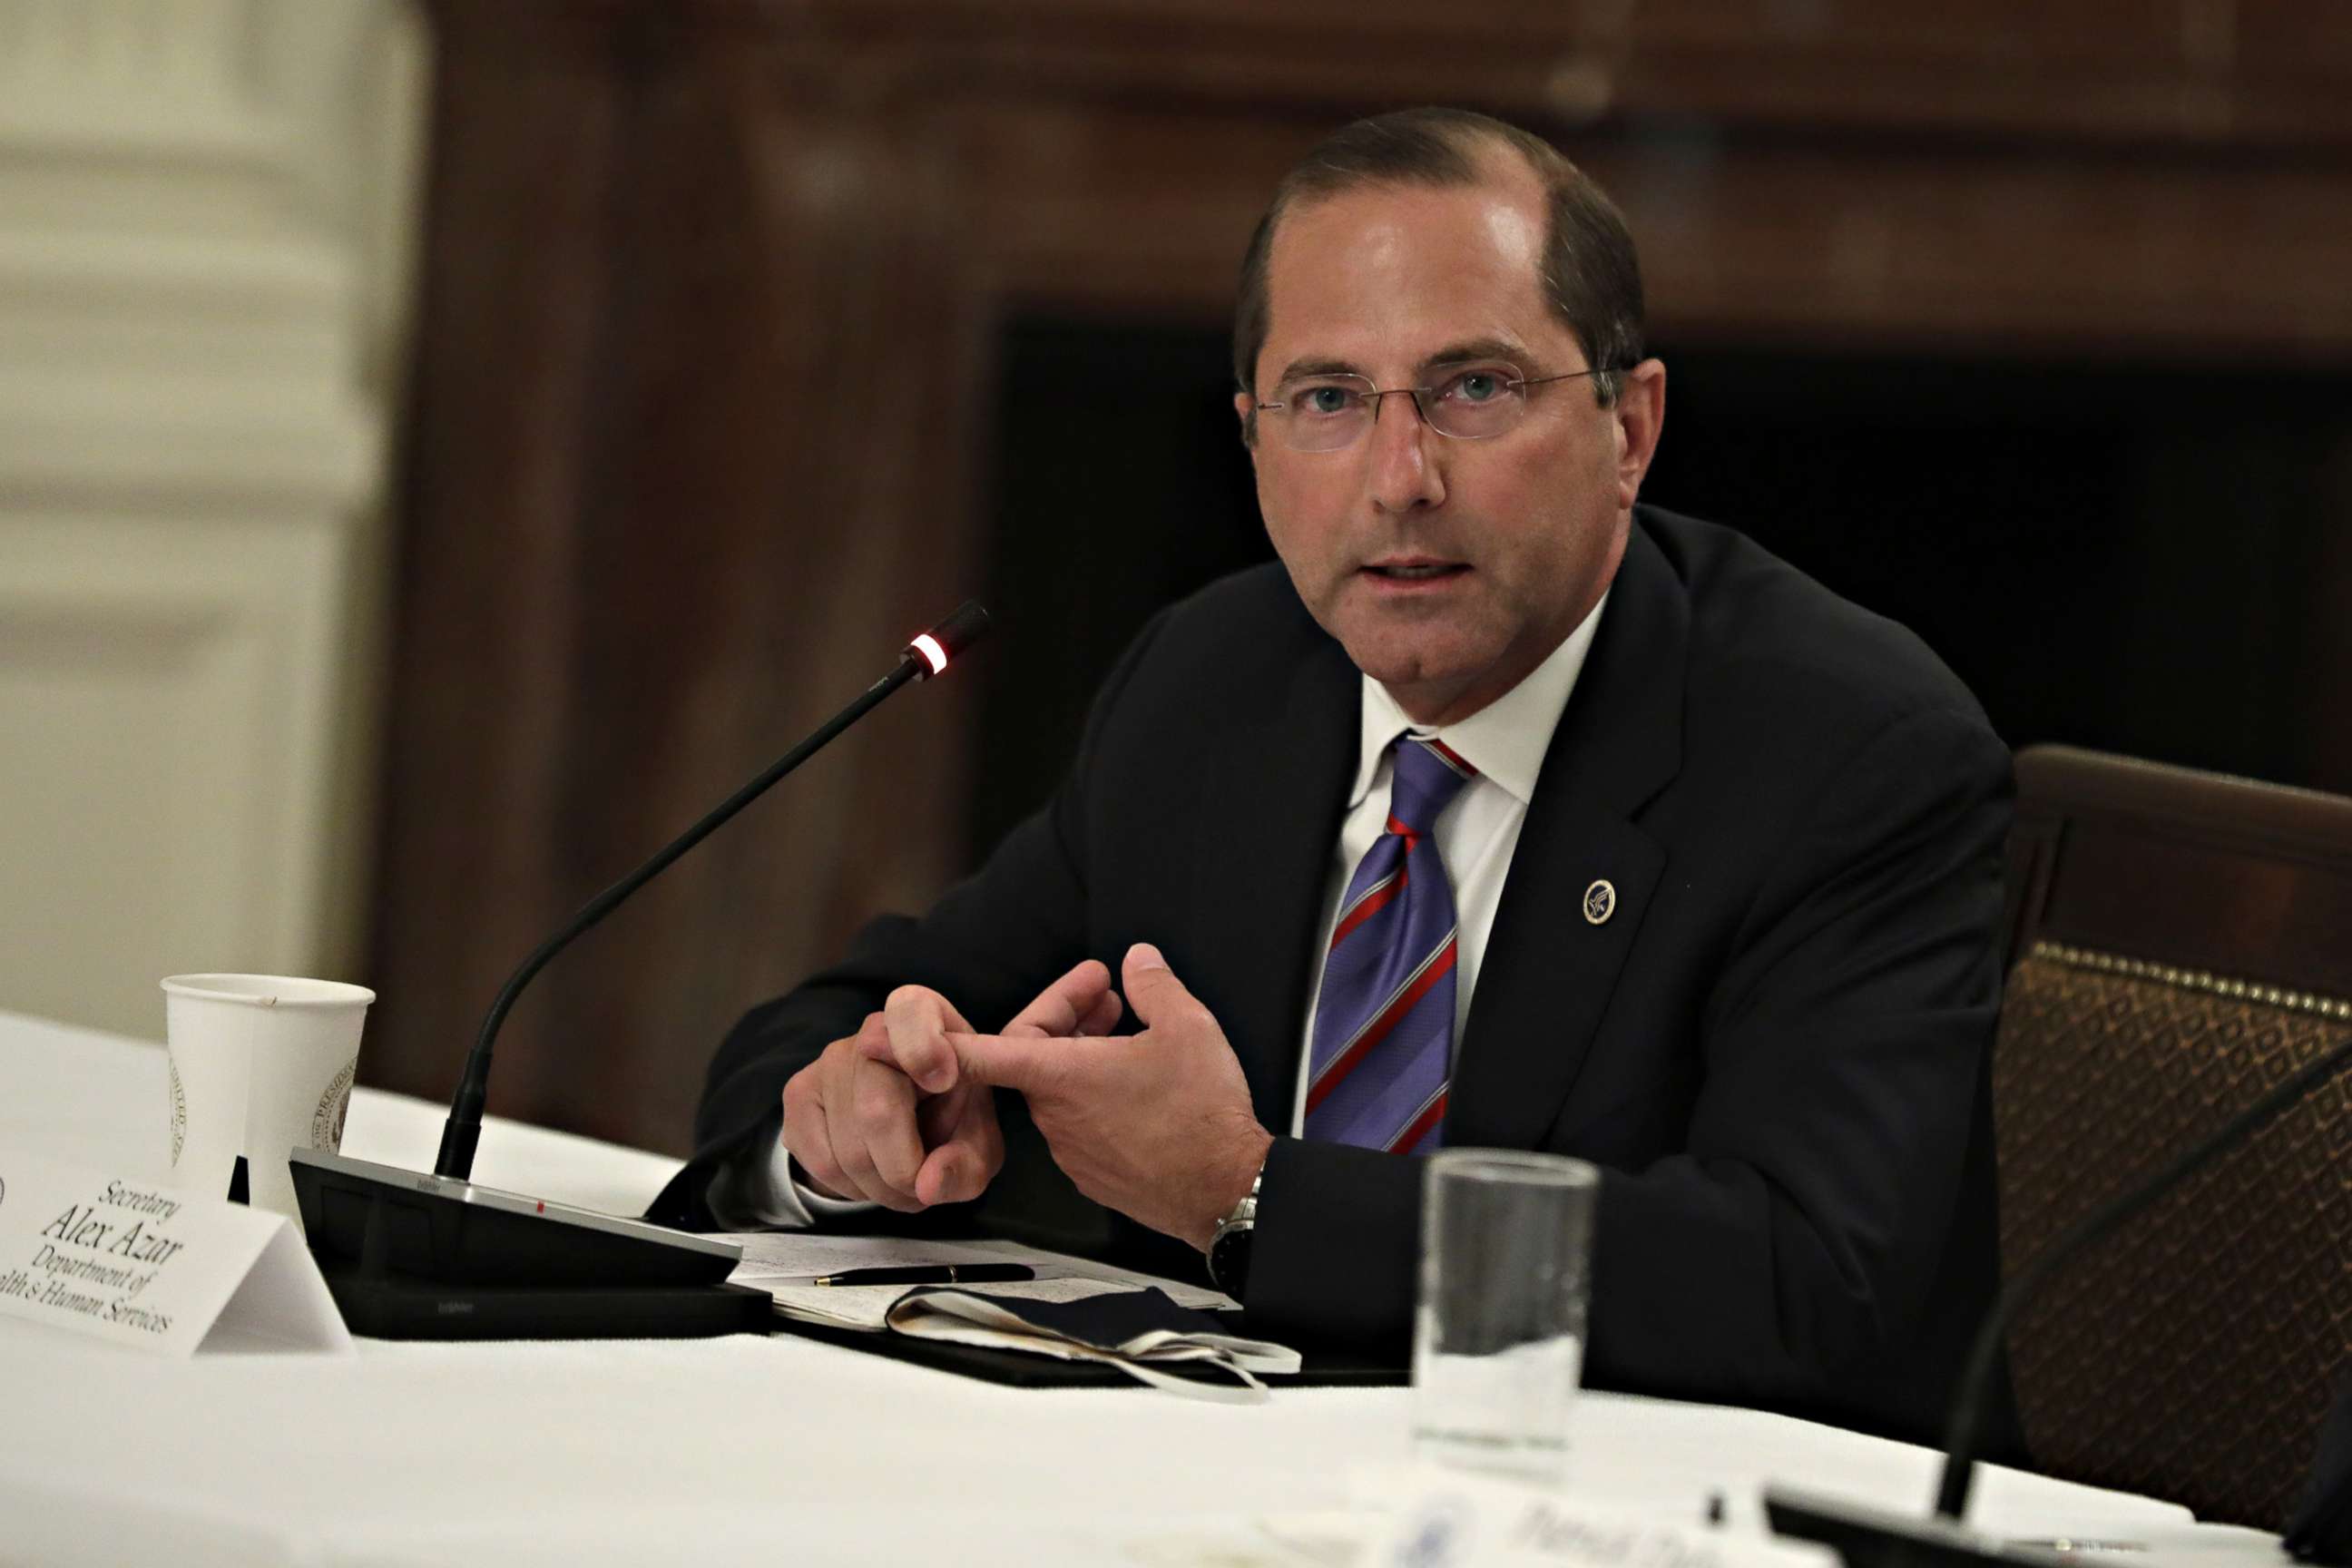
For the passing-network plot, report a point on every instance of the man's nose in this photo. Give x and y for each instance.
(1404, 458)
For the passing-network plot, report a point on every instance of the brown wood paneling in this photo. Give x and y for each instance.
(484, 655)
(2188, 72)
(1968, 250)
(720, 527)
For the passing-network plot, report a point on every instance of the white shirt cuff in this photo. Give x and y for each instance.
(752, 1192)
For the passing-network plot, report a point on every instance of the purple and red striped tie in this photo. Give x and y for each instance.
(1384, 1020)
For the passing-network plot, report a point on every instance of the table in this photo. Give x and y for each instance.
(780, 1449)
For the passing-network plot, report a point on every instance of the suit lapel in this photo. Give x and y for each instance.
(1548, 971)
(1274, 805)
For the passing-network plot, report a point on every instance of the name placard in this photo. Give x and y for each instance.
(146, 1265)
(1447, 1519)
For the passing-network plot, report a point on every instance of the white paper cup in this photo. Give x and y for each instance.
(261, 1065)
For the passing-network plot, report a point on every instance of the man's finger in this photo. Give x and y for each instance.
(873, 1040)
(886, 1116)
(853, 1175)
(959, 1169)
(1028, 1063)
(1064, 1007)
(1159, 998)
(805, 1136)
(917, 1019)
(868, 1106)
(1105, 1014)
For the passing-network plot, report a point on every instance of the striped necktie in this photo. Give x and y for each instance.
(1384, 1020)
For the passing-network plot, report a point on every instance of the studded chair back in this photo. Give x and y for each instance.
(2180, 942)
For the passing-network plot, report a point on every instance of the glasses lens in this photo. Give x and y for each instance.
(1324, 413)
(1471, 402)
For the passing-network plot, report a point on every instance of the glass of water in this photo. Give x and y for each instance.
(1498, 1339)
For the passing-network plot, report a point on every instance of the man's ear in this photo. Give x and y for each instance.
(1246, 406)
(1640, 416)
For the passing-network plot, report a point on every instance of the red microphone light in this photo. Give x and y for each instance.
(948, 640)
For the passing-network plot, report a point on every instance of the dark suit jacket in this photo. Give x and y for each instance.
(1776, 1047)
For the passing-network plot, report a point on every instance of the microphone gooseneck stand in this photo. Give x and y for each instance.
(409, 1255)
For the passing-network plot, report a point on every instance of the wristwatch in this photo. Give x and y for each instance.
(1229, 1244)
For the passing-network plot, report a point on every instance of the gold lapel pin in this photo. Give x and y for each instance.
(1600, 901)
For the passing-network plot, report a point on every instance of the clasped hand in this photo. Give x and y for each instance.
(1155, 1124)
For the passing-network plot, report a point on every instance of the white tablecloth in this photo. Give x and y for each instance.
(782, 1449)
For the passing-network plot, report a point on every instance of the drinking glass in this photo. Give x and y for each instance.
(1498, 1337)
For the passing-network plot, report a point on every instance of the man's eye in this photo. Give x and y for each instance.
(1476, 386)
(1325, 399)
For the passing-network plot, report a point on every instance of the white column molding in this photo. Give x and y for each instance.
(208, 211)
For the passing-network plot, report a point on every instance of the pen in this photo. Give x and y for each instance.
(2065, 1543)
(934, 1274)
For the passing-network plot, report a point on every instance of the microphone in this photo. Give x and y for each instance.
(925, 655)
(409, 1255)
(1874, 1538)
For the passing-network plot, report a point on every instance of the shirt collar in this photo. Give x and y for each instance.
(1506, 739)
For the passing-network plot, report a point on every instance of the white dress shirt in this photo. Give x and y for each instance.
(1479, 828)
(1477, 833)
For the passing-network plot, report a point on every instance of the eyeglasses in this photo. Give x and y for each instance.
(1469, 403)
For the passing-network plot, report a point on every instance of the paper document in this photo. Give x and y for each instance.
(780, 1262)
(1143, 1326)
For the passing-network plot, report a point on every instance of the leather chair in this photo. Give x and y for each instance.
(2180, 943)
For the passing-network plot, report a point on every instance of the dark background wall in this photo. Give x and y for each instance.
(757, 333)
(2132, 554)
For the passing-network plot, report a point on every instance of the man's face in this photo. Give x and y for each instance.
(1448, 569)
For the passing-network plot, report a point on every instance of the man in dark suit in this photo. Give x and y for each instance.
(1509, 812)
